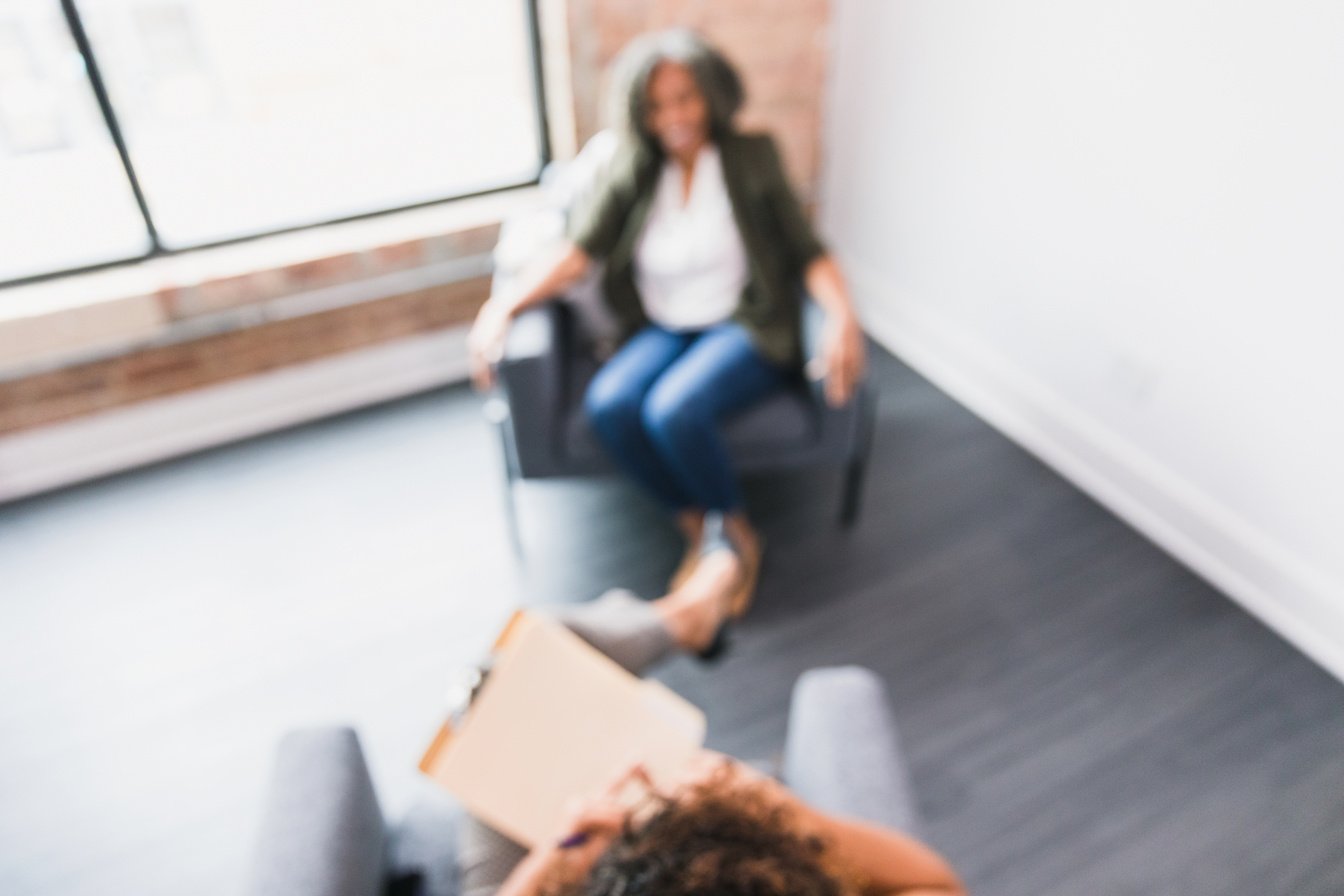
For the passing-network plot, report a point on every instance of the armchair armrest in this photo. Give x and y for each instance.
(813, 335)
(531, 377)
(843, 753)
(535, 334)
(813, 345)
(322, 832)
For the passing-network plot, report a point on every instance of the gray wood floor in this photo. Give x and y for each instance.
(1082, 714)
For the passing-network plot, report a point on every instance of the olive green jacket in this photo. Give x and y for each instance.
(778, 239)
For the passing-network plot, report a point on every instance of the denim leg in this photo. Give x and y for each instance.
(619, 625)
(720, 374)
(614, 401)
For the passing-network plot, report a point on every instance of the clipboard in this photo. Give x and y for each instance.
(556, 720)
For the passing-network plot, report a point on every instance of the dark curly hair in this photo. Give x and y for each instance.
(717, 840)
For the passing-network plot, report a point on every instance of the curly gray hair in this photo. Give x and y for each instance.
(716, 77)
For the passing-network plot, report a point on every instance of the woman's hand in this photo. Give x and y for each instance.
(593, 822)
(843, 356)
(590, 825)
(485, 342)
(842, 350)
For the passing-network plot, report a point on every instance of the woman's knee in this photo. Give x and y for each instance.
(610, 405)
(671, 415)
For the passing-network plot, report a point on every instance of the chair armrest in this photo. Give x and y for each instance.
(813, 329)
(535, 334)
(814, 346)
(843, 753)
(531, 371)
(531, 376)
(322, 832)
(813, 338)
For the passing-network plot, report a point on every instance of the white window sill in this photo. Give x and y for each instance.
(82, 317)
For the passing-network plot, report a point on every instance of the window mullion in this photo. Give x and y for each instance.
(81, 39)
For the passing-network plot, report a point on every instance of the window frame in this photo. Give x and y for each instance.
(159, 250)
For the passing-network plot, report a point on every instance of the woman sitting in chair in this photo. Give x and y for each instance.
(721, 827)
(705, 248)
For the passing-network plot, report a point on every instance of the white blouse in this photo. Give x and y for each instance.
(690, 264)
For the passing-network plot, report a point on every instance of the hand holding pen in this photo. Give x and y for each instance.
(600, 817)
(591, 824)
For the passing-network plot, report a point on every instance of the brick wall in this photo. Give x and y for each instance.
(158, 371)
(779, 48)
(208, 331)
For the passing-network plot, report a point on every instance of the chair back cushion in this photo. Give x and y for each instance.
(322, 832)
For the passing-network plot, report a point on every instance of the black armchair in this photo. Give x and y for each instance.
(538, 410)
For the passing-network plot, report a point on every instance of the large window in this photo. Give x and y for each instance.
(223, 119)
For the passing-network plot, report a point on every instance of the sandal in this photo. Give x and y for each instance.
(715, 538)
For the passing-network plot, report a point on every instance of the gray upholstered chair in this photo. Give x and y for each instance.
(323, 833)
(547, 364)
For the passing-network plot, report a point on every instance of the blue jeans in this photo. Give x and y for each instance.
(657, 404)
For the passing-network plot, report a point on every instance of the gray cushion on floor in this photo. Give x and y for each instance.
(322, 831)
(843, 753)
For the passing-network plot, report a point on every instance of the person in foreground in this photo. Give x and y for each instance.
(725, 830)
(706, 250)
(722, 828)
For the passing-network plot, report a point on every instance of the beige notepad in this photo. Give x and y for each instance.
(556, 720)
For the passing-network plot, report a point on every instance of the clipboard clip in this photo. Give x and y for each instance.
(464, 686)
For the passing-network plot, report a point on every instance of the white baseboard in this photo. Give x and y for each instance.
(64, 453)
(1246, 563)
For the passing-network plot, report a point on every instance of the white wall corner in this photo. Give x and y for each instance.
(1298, 601)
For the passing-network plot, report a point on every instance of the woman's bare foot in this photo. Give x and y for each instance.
(694, 612)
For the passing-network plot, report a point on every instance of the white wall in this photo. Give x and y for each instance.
(1116, 231)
